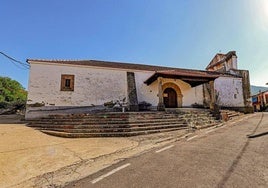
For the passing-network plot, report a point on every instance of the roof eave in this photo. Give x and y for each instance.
(192, 80)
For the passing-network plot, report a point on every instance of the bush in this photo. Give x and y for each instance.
(109, 104)
(195, 105)
(12, 95)
(144, 106)
(4, 104)
(11, 90)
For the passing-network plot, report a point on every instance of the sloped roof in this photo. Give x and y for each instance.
(219, 58)
(194, 78)
(190, 75)
(255, 90)
(109, 64)
(106, 64)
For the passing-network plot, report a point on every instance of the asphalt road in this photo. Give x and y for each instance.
(223, 157)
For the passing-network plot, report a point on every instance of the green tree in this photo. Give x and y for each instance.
(11, 91)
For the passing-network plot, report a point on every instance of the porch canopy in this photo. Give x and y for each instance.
(192, 77)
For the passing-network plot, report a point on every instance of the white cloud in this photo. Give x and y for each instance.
(260, 13)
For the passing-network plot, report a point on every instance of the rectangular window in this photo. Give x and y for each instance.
(67, 82)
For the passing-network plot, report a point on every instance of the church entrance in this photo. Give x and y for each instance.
(170, 98)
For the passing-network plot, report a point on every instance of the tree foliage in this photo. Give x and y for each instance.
(11, 91)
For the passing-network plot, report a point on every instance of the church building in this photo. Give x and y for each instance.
(82, 86)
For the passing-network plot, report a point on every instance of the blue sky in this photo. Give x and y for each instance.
(176, 33)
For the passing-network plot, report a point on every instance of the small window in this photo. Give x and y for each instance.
(235, 96)
(67, 82)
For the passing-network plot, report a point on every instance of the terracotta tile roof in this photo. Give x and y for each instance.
(219, 58)
(191, 73)
(194, 78)
(108, 64)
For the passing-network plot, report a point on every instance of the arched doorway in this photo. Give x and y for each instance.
(176, 88)
(170, 98)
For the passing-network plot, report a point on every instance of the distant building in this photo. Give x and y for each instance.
(260, 101)
(223, 62)
(67, 86)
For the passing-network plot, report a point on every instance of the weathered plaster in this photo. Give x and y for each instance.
(95, 86)
(92, 86)
(230, 91)
(144, 92)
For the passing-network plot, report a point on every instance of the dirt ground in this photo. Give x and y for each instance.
(29, 158)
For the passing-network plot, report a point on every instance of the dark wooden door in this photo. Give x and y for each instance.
(170, 98)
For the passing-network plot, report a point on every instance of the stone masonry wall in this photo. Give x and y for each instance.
(230, 91)
(92, 86)
(132, 92)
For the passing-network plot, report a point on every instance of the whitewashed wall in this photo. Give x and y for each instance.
(193, 96)
(150, 93)
(228, 87)
(92, 86)
(146, 93)
(95, 86)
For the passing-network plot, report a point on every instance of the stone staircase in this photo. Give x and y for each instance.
(196, 118)
(108, 124)
(229, 114)
(118, 124)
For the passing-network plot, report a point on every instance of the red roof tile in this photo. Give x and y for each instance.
(108, 64)
(194, 78)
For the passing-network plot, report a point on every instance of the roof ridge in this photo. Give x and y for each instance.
(91, 62)
(122, 65)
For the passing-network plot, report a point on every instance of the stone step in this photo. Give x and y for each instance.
(207, 125)
(106, 118)
(111, 129)
(201, 124)
(123, 116)
(121, 124)
(231, 114)
(51, 126)
(82, 122)
(89, 126)
(111, 117)
(116, 115)
(197, 115)
(235, 114)
(199, 119)
(106, 134)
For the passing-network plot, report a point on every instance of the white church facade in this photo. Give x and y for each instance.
(64, 86)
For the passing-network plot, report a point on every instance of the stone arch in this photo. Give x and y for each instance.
(177, 89)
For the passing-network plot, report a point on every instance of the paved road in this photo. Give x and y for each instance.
(223, 157)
